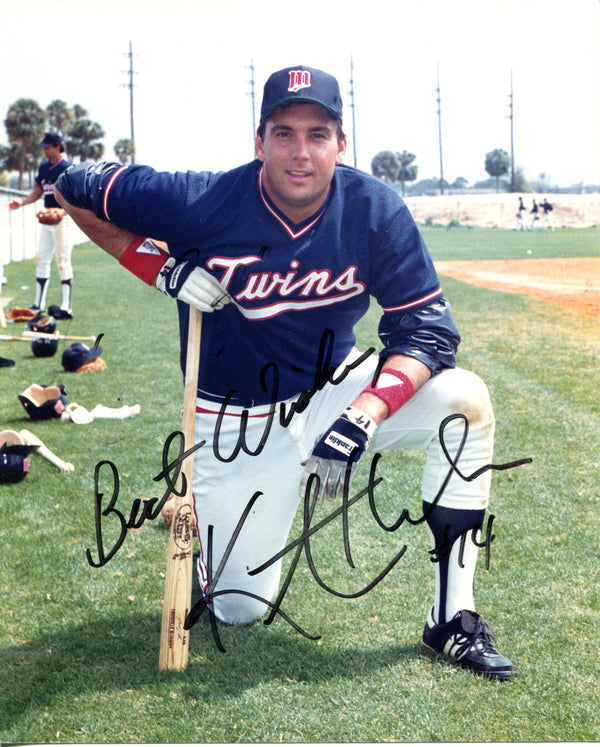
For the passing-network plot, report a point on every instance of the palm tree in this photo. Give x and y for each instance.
(125, 150)
(59, 116)
(82, 137)
(385, 166)
(25, 123)
(408, 171)
(497, 163)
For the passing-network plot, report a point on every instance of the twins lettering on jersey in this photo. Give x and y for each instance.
(280, 292)
(48, 187)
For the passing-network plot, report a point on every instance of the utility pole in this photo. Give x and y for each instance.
(512, 143)
(439, 113)
(351, 81)
(130, 72)
(252, 95)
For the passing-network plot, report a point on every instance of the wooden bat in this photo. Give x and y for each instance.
(32, 440)
(28, 335)
(2, 316)
(174, 639)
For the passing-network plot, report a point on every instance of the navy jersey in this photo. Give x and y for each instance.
(47, 176)
(290, 283)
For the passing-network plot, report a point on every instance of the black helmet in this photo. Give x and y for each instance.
(42, 347)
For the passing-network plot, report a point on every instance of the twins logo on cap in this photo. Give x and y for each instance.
(299, 79)
(302, 84)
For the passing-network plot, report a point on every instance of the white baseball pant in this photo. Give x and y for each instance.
(223, 489)
(57, 240)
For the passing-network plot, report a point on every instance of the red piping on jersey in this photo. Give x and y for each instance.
(108, 188)
(245, 413)
(293, 234)
(54, 165)
(418, 302)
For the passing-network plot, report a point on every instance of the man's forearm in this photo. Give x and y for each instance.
(418, 373)
(107, 236)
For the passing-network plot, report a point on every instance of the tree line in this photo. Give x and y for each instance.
(400, 168)
(26, 121)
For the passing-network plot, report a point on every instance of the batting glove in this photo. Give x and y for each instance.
(348, 437)
(192, 285)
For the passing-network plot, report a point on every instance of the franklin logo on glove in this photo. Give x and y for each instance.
(347, 439)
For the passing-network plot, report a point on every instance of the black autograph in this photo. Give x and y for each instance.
(325, 373)
(302, 542)
(150, 508)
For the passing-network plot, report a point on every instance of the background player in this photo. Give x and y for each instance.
(53, 238)
(547, 210)
(287, 251)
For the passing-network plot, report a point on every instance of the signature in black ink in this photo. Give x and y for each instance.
(302, 542)
(150, 508)
(324, 374)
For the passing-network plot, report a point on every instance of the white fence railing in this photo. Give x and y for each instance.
(19, 229)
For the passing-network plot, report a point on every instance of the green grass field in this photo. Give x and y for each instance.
(79, 645)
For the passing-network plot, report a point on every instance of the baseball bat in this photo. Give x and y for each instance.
(174, 639)
(32, 440)
(2, 316)
(28, 335)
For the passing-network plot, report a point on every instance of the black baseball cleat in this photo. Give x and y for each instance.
(6, 362)
(467, 640)
(59, 313)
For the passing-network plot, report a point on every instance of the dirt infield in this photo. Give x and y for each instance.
(573, 284)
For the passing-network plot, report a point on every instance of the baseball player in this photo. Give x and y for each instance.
(283, 255)
(547, 210)
(521, 212)
(54, 238)
(534, 216)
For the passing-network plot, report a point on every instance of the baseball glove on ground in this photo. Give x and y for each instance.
(50, 216)
(98, 364)
(20, 314)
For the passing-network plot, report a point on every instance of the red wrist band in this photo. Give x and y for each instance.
(144, 259)
(393, 387)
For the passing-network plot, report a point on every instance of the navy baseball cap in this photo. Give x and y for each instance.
(51, 138)
(77, 354)
(301, 83)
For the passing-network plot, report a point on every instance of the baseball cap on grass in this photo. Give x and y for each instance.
(301, 83)
(77, 354)
(14, 457)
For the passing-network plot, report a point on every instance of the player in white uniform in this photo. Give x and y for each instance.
(283, 255)
(55, 240)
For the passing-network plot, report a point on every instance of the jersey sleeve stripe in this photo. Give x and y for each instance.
(412, 304)
(107, 190)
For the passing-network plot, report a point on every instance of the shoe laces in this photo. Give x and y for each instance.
(481, 637)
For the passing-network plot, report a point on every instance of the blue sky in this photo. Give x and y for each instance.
(192, 102)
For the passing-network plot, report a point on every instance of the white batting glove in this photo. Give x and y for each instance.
(192, 285)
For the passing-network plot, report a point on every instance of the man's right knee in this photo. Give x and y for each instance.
(238, 609)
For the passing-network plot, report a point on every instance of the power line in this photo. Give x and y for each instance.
(512, 143)
(130, 85)
(439, 113)
(253, 97)
(352, 106)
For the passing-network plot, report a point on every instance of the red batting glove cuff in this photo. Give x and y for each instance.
(393, 387)
(144, 259)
